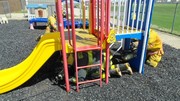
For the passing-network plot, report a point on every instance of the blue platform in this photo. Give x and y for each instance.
(136, 35)
(34, 20)
(78, 23)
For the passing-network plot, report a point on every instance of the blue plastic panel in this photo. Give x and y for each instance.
(38, 20)
(37, 6)
(136, 35)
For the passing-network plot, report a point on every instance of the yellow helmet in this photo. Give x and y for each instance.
(54, 15)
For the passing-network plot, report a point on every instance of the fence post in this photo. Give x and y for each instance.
(174, 17)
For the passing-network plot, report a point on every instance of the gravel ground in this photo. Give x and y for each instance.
(161, 84)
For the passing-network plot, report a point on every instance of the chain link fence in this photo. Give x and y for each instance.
(5, 9)
(166, 17)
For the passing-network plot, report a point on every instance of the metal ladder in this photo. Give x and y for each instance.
(84, 49)
(77, 68)
(99, 30)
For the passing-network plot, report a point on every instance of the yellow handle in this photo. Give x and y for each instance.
(111, 37)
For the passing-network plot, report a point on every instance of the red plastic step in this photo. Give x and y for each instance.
(87, 48)
(89, 81)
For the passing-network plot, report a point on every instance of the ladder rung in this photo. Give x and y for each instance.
(89, 81)
(86, 48)
(88, 66)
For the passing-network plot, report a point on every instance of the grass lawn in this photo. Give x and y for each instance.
(163, 17)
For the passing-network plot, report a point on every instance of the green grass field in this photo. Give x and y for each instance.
(163, 15)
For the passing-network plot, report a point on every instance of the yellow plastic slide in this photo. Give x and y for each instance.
(15, 76)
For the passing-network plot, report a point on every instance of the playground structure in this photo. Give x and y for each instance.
(37, 13)
(133, 22)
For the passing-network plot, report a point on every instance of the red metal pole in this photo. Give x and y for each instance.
(90, 17)
(67, 18)
(93, 15)
(98, 14)
(61, 29)
(102, 29)
(108, 4)
(74, 41)
(73, 23)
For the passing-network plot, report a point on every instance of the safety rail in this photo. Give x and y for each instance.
(128, 16)
(130, 19)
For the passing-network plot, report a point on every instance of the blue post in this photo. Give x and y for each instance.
(138, 62)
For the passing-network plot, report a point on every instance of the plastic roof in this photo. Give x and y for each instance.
(37, 6)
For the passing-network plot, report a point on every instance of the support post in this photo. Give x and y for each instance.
(90, 16)
(108, 4)
(84, 14)
(62, 37)
(174, 18)
(93, 15)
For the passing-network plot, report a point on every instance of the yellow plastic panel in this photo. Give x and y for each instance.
(15, 76)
